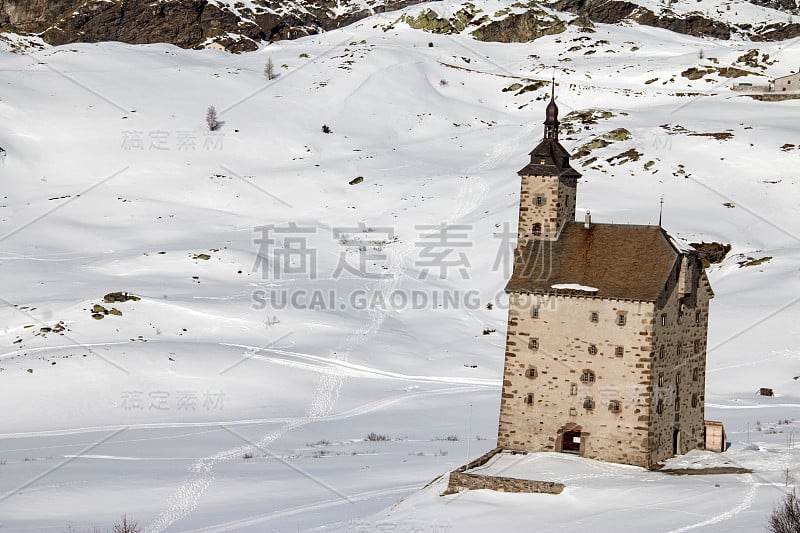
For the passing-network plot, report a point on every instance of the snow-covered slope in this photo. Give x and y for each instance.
(111, 182)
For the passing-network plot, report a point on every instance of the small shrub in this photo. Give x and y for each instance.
(304, 55)
(786, 517)
(326, 129)
(248, 455)
(375, 437)
(126, 526)
(269, 69)
(488, 331)
(211, 119)
(443, 83)
(430, 45)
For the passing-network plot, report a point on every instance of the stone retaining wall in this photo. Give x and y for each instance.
(460, 481)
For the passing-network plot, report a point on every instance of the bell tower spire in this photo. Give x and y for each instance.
(551, 118)
(548, 187)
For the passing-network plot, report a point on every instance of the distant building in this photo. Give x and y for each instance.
(607, 327)
(787, 83)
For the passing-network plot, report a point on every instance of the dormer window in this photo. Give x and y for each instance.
(541, 161)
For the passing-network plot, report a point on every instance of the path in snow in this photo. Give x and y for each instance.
(328, 389)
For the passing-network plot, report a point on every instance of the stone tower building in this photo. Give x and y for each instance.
(607, 326)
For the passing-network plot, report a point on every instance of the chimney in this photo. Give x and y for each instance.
(587, 221)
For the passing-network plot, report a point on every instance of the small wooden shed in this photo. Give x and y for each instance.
(716, 439)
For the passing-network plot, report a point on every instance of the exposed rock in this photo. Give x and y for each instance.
(429, 20)
(520, 27)
(711, 252)
(185, 23)
(694, 73)
(356, 180)
(112, 297)
(625, 157)
(752, 261)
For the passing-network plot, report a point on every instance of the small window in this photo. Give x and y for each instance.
(677, 378)
(661, 353)
(664, 319)
(694, 400)
(594, 317)
(697, 317)
(541, 161)
(573, 389)
(661, 380)
(529, 398)
(537, 229)
(614, 406)
(678, 350)
(621, 319)
(531, 372)
(592, 349)
(695, 374)
(680, 316)
(539, 199)
(587, 376)
(534, 312)
(534, 344)
(573, 411)
(660, 406)
(588, 403)
(698, 346)
(677, 404)
(619, 351)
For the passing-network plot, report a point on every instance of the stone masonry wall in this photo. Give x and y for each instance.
(680, 331)
(557, 205)
(565, 337)
(460, 482)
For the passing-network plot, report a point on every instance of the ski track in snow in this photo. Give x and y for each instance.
(258, 519)
(746, 503)
(355, 411)
(328, 390)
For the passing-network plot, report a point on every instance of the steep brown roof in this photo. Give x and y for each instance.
(621, 261)
(556, 161)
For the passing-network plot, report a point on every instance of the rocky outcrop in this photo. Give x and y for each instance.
(520, 27)
(196, 23)
(185, 23)
(616, 11)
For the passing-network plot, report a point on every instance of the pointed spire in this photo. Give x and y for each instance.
(660, 210)
(551, 115)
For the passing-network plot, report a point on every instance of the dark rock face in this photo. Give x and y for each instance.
(615, 11)
(190, 23)
(185, 23)
(711, 252)
(790, 6)
(520, 28)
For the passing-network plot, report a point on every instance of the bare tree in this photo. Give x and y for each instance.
(211, 119)
(786, 517)
(126, 527)
(269, 69)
